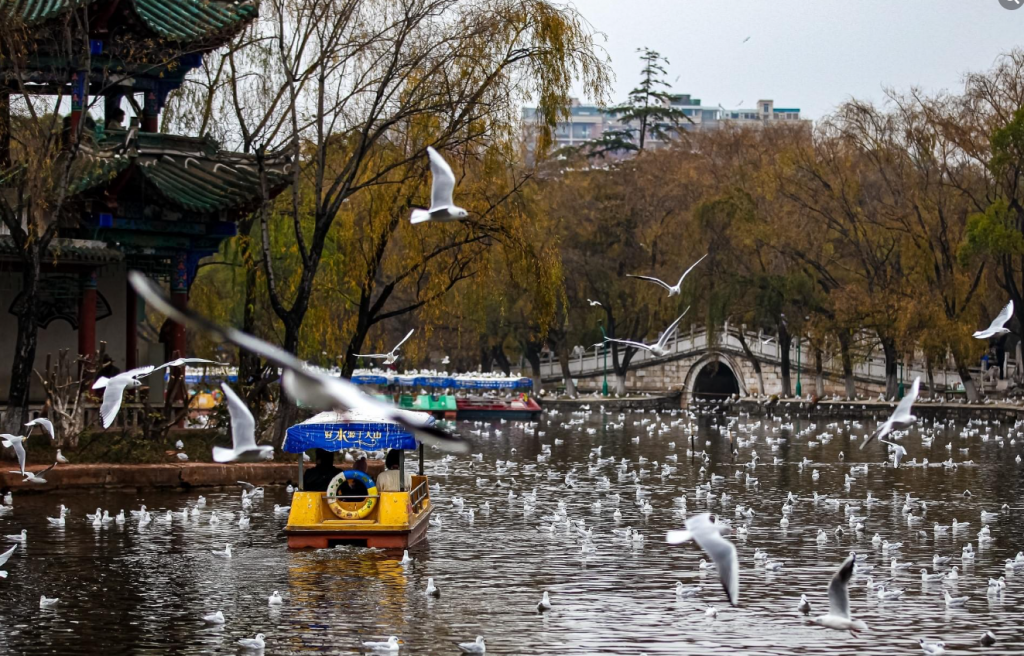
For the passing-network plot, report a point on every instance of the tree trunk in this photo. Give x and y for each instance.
(819, 373)
(785, 342)
(891, 366)
(753, 361)
(967, 380)
(249, 367)
(25, 345)
(286, 410)
(1018, 369)
(563, 363)
(499, 356)
(620, 384)
(533, 357)
(844, 349)
(355, 345)
(931, 376)
(486, 358)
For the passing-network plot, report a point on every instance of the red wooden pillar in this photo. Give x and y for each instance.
(150, 113)
(87, 316)
(131, 329)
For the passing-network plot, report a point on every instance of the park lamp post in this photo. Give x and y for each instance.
(604, 347)
(798, 388)
(900, 389)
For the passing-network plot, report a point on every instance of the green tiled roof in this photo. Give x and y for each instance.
(37, 11)
(177, 20)
(192, 174)
(189, 20)
(74, 250)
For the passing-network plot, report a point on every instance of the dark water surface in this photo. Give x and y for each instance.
(126, 590)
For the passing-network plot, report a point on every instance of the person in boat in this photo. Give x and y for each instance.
(389, 479)
(319, 477)
(353, 489)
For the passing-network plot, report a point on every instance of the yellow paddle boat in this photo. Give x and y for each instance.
(383, 518)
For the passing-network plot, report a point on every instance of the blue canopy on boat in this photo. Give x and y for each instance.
(334, 431)
(458, 381)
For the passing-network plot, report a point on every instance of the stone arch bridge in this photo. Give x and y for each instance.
(714, 365)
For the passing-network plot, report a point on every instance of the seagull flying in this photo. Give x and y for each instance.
(17, 442)
(672, 290)
(243, 433)
(898, 452)
(708, 537)
(838, 616)
(660, 347)
(442, 207)
(302, 385)
(998, 324)
(391, 356)
(900, 417)
(43, 423)
(594, 303)
(114, 387)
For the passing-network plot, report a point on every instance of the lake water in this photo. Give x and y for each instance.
(126, 590)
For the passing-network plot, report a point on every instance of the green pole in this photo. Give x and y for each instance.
(604, 347)
(798, 388)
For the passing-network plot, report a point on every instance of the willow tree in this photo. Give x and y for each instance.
(624, 219)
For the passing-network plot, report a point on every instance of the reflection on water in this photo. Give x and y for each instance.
(126, 590)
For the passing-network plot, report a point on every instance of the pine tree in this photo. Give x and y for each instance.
(647, 114)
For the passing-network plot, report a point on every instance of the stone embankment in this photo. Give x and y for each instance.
(182, 476)
(612, 404)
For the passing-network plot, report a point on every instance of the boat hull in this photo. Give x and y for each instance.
(398, 521)
(484, 409)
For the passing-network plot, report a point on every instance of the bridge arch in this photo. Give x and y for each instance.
(714, 374)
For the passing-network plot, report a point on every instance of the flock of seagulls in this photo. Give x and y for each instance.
(709, 531)
(578, 500)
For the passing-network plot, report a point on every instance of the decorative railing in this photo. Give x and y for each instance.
(687, 343)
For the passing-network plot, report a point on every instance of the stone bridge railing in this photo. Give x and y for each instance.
(698, 341)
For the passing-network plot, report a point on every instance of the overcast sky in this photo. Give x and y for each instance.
(811, 54)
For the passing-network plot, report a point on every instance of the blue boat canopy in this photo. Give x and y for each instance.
(337, 431)
(433, 380)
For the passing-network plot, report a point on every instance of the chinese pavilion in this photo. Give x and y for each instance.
(138, 199)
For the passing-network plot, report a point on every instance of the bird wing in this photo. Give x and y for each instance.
(138, 372)
(243, 426)
(442, 186)
(45, 423)
(685, 273)
(100, 382)
(1003, 317)
(404, 339)
(5, 556)
(184, 361)
(671, 328)
(371, 355)
(628, 342)
(40, 473)
(19, 449)
(721, 551)
(112, 399)
(902, 412)
(651, 279)
(298, 380)
(838, 595)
